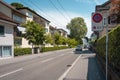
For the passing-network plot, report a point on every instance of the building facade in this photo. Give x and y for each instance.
(32, 16)
(104, 9)
(11, 31)
(7, 25)
(62, 32)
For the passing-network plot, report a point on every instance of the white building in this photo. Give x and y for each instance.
(6, 31)
(32, 16)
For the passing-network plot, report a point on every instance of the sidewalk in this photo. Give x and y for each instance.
(86, 68)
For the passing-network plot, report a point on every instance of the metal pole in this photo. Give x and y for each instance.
(106, 52)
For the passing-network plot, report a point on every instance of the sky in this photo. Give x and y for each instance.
(60, 12)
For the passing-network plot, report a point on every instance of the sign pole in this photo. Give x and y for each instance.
(107, 52)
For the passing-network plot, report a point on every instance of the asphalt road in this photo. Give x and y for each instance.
(86, 68)
(49, 67)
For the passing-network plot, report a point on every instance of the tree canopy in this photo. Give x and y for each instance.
(72, 42)
(48, 39)
(57, 38)
(115, 10)
(17, 5)
(34, 33)
(77, 29)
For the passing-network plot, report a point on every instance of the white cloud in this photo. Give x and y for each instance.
(88, 1)
(59, 21)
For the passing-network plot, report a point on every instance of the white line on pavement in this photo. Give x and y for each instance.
(66, 72)
(11, 72)
(47, 60)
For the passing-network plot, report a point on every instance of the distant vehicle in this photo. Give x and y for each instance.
(78, 48)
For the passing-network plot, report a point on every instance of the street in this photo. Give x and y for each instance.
(54, 65)
(59, 40)
(49, 67)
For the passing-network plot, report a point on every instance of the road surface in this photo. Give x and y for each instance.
(49, 67)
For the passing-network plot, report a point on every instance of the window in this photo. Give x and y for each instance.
(1, 30)
(17, 18)
(18, 41)
(5, 51)
(30, 15)
(105, 21)
(46, 30)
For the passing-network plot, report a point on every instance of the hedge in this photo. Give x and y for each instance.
(113, 48)
(45, 49)
(22, 51)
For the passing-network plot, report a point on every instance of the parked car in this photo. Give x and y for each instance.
(78, 48)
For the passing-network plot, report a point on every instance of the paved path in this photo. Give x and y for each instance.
(86, 68)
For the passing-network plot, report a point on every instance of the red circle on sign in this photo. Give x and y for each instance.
(97, 17)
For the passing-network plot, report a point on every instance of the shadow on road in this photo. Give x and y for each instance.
(86, 51)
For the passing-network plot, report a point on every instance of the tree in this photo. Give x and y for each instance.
(115, 10)
(57, 38)
(48, 39)
(34, 33)
(64, 40)
(77, 29)
(72, 42)
(17, 5)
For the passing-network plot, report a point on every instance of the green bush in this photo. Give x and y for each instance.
(22, 51)
(45, 49)
(113, 47)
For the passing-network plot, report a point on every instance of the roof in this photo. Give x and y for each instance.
(6, 18)
(32, 12)
(104, 4)
(11, 7)
(52, 28)
(62, 30)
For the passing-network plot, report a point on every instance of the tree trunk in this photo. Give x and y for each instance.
(32, 49)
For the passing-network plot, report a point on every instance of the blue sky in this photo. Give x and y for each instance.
(60, 12)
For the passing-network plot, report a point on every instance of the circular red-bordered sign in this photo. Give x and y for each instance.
(97, 17)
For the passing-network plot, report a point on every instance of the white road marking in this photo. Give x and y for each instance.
(66, 72)
(47, 60)
(52, 58)
(11, 72)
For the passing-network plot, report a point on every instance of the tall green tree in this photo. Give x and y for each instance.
(48, 39)
(72, 42)
(34, 33)
(17, 5)
(57, 38)
(77, 29)
(64, 40)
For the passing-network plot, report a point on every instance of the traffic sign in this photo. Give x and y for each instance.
(97, 17)
(97, 23)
